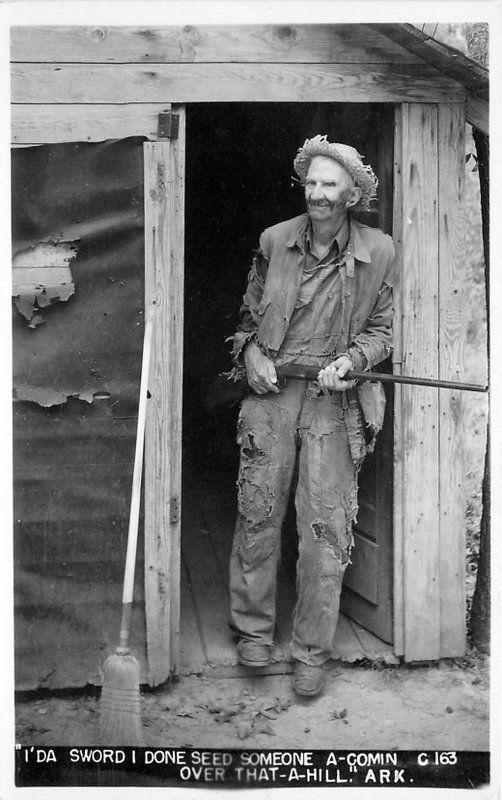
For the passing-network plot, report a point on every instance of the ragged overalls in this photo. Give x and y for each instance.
(326, 434)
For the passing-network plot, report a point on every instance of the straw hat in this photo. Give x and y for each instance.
(348, 157)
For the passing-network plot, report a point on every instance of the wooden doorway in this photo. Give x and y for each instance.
(236, 174)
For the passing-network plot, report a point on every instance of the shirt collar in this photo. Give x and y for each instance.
(354, 241)
(341, 238)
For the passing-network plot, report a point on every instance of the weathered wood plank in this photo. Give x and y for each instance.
(420, 404)
(205, 43)
(374, 649)
(399, 482)
(164, 239)
(452, 336)
(192, 83)
(173, 404)
(158, 540)
(50, 124)
(444, 58)
(477, 113)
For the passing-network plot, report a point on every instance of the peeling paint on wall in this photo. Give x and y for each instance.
(41, 276)
(47, 397)
(78, 253)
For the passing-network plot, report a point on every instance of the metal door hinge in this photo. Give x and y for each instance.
(174, 510)
(169, 125)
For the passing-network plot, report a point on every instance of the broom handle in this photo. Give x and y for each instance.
(132, 536)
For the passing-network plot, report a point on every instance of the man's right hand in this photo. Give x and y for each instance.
(260, 370)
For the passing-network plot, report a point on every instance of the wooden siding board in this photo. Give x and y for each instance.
(191, 83)
(164, 208)
(174, 406)
(420, 404)
(214, 43)
(452, 336)
(158, 544)
(398, 508)
(85, 122)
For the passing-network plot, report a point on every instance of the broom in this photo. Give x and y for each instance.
(120, 717)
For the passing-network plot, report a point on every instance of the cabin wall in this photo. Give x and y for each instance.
(90, 84)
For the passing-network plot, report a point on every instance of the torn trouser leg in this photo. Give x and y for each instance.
(326, 504)
(266, 434)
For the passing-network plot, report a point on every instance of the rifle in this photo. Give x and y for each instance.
(225, 393)
(311, 373)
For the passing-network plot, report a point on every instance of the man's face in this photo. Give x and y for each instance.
(328, 189)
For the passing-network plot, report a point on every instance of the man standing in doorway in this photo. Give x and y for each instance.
(319, 293)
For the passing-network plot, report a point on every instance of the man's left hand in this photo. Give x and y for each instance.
(331, 377)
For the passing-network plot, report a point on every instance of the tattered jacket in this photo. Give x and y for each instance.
(366, 271)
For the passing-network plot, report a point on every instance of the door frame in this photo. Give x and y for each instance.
(164, 170)
(428, 539)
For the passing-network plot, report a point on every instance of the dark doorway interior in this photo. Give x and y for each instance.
(239, 181)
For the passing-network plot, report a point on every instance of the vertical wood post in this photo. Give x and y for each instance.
(399, 482)
(164, 246)
(419, 409)
(452, 334)
(429, 520)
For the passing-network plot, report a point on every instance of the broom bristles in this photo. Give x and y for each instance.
(120, 706)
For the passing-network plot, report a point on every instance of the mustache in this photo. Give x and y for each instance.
(321, 203)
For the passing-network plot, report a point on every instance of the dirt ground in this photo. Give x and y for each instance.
(436, 706)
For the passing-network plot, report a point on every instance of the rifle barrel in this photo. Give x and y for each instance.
(312, 373)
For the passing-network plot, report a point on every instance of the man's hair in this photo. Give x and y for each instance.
(350, 160)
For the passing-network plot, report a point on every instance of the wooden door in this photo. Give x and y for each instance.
(367, 596)
(368, 583)
(164, 162)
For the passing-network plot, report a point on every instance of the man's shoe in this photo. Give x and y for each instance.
(308, 679)
(253, 654)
